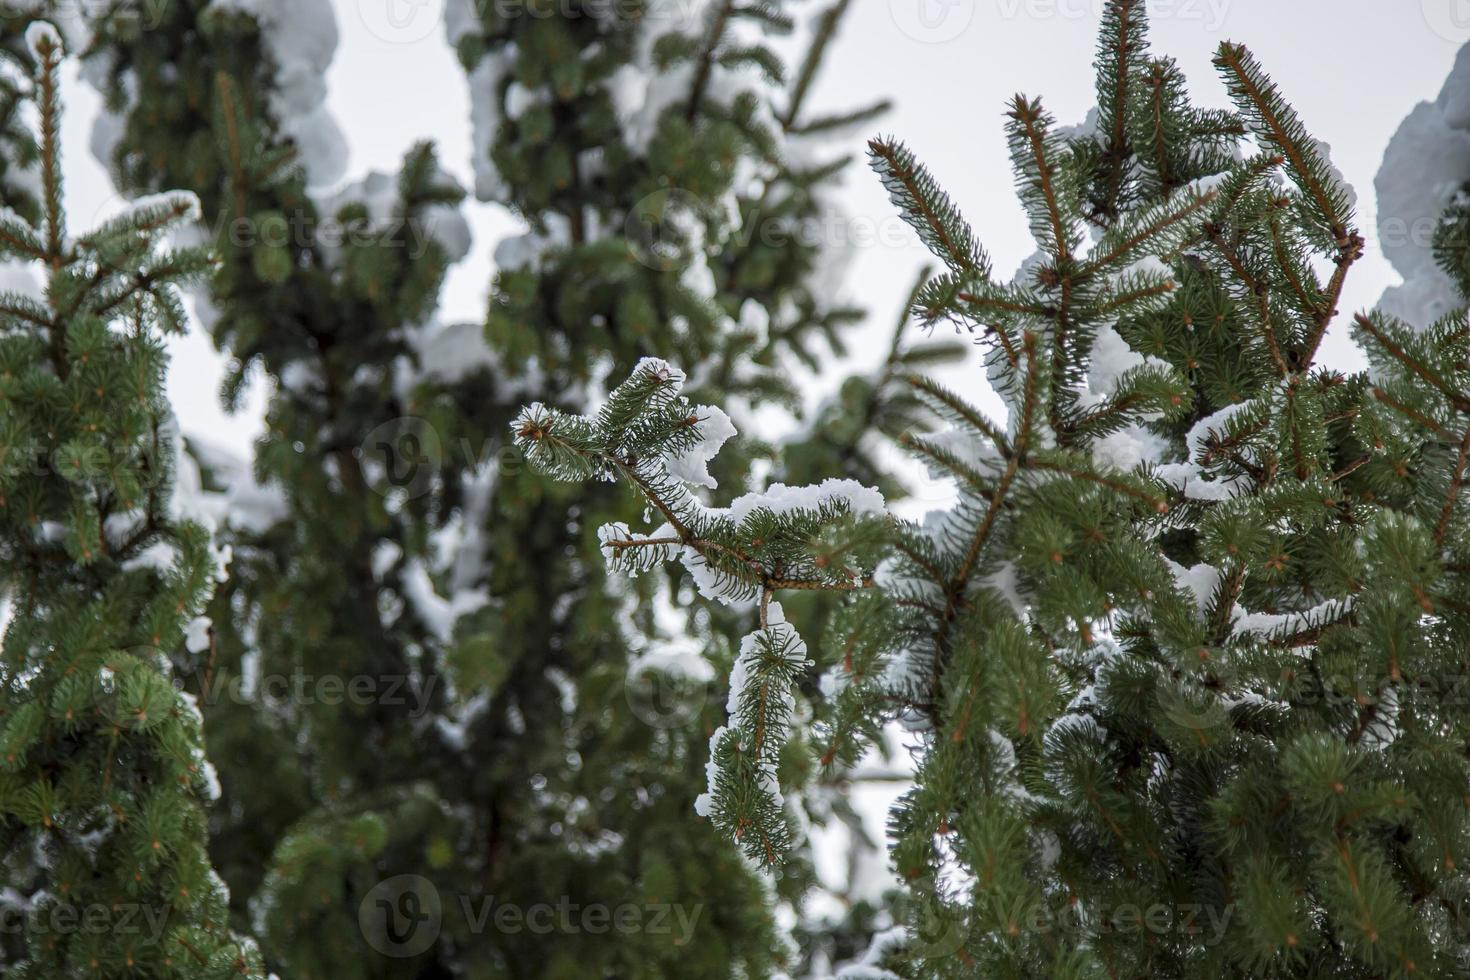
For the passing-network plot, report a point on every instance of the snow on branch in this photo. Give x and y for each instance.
(822, 537)
(818, 537)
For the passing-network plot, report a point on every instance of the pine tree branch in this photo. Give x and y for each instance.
(1156, 111)
(822, 37)
(1235, 59)
(915, 184)
(1288, 267)
(1225, 599)
(1410, 412)
(960, 581)
(1452, 496)
(1115, 409)
(705, 65)
(1164, 222)
(225, 86)
(1349, 251)
(48, 83)
(962, 410)
(1260, 293)
(1006, 343)
(1087, 476)
(1028, 114)
(767, 580)
(935, 575)
(626, 544)
(1418, 368)
(1118, 148)
(952, 464)
(1350, 468)
(1123, 300)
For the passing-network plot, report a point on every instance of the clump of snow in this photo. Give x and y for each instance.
(1189, 475)
(378, 194)
(1199, 580)
(884, 944)
(245, 503)
(692, 466)
(41, 36)
(438, 613)
(1425, 165)
(300, 36)
(450, 352)
(1284, 624)
(617, 531)
(184, 204)
(461, 19)
(781, 499)
(1324, 152)
(527, 251)
(1129, 447)
(196, 634)
(486, 81)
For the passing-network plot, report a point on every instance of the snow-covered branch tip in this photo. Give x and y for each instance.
(824, 537)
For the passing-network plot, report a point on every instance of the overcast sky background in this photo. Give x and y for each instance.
(1353, 68)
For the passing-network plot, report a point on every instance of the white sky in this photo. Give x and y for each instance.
(1353, 68)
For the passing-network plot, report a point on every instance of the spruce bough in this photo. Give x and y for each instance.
(1183, 661)
(103, 780)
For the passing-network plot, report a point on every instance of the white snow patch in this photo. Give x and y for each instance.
(301, 38)
(692, 466)
(1426, 163)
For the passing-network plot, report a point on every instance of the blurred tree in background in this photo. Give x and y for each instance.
(424, 704)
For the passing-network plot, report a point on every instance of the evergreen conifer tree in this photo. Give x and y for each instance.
(103, 780)
(512, 761)
(1183, 661)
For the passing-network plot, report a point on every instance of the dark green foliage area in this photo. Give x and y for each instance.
(503, 756)
(1186, 655)
(103, 779)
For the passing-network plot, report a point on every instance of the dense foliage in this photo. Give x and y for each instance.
(416, 695)
(103, 780)
(1184, 658)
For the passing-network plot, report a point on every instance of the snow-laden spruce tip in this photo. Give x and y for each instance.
(760, 544)
(649, 435)
(43, 40)
(743, 795)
